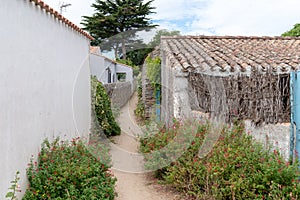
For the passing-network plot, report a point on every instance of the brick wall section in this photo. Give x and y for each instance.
(119, 93)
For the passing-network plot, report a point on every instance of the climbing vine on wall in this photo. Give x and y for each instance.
(154, 72)
(140, 107)
(102, 109)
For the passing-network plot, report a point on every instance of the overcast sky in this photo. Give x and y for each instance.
(210, 17)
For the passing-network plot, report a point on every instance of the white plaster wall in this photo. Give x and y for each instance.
(44, 85)
(125, 69)
(99, 65)
(269, 135)
(272, 136)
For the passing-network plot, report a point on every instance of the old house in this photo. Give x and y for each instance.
(107, 70)
(44, 84)
(244, 78)
(117, 77)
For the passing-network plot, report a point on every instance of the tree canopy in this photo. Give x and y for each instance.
(163, 32)
(138, 56)
(293, 32)
(113, 17)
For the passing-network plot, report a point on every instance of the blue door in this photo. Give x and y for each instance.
(295, 114)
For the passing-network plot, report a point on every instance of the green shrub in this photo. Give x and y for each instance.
(154, 73)
(67, 170)
(102, 107)
(236, 168)
(140, 107)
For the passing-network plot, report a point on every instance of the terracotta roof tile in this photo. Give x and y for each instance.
(233, 53)
(50, 10)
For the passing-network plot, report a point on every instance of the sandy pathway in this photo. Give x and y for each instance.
(133, 183)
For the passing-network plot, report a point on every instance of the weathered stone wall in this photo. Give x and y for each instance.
(147, 94)
(119, 93)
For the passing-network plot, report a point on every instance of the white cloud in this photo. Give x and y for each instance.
(256, 17)
(217, 17)
(234, 17)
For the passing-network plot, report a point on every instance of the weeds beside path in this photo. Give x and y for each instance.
(134, 186)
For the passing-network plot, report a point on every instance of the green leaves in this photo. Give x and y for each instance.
(112, 17)
(103, 113)
(68, 170)
(236, 168)
(293, 32)
(14, 187)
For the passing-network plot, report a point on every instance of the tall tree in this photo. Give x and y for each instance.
(138, 56)
(113, 17)
(163, 32)
(293, 32)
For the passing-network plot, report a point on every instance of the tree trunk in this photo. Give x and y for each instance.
(123, 48)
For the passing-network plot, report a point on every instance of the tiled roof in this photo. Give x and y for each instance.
(95, 49)
(233, 54)
(108, 59)
(50, 10)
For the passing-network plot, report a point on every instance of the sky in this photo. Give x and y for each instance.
(209, 17)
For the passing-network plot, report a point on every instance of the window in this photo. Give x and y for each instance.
(121, 77)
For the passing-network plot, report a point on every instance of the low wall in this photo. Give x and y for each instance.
(119, 93)
(271, 136)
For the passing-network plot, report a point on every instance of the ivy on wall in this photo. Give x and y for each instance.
(140, 107)
(153, 72)
(102, 107)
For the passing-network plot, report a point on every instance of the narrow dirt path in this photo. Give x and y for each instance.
(133, 183)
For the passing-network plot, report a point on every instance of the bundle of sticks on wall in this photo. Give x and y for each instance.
(259, 97)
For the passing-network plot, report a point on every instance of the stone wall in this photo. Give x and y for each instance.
(119, 93)
(147, 94)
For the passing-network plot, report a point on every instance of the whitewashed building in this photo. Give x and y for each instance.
(107, 70)
(44, 83)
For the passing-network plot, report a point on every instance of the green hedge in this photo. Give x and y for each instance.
(102, 108)
(236, 168)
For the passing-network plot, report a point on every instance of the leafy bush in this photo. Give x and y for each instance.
(140, 107)
(154, 72)
(67, 170)
(102, 107)
(236, 168)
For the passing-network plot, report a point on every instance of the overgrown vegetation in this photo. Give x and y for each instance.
(154, 72)
(236, 168)
(101, 105)
(68, 170)
(140, 107)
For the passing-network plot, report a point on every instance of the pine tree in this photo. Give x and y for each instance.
(116, 17)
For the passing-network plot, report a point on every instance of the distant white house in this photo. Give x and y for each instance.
(44, 83)
(107, 70)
